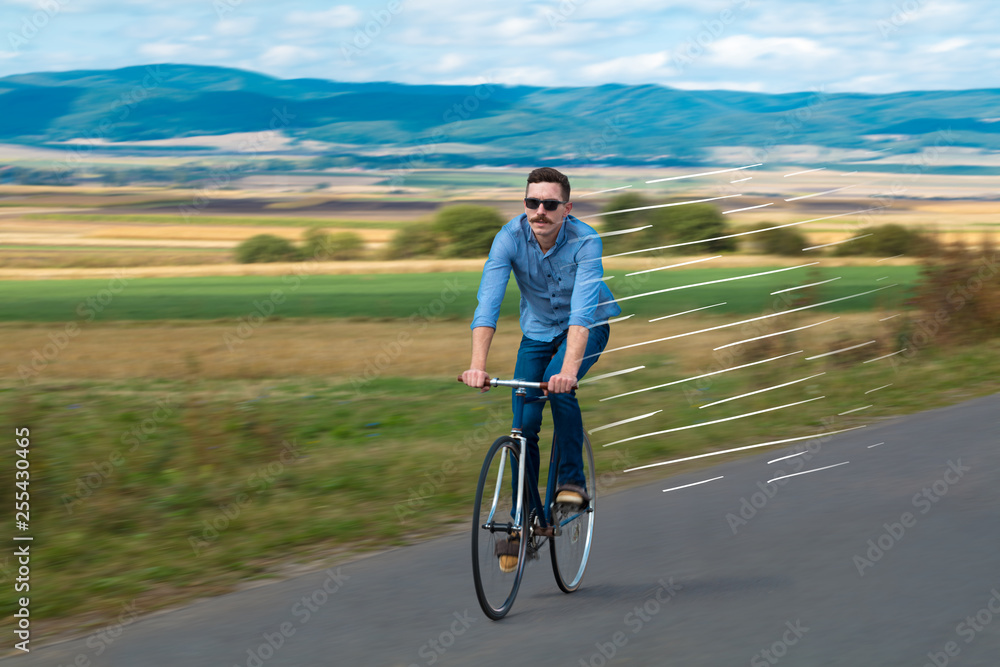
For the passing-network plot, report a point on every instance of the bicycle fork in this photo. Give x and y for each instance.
(520, 518)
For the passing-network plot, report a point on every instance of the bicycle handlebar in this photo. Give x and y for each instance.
(516, 384)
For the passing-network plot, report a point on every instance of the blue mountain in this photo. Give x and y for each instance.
(485, 124)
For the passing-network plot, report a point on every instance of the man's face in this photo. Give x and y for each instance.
(546, 224)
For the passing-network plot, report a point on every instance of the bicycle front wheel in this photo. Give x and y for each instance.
(571, 547)
(494, 532)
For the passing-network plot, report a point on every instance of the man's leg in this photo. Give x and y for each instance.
(567, 421)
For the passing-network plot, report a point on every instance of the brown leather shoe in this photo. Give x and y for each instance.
(507, 552)
(571, 494)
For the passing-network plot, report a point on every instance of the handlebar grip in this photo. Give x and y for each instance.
(544, 386)
(485, 386)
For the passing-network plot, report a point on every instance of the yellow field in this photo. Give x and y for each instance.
(953, 207)
(281, 349)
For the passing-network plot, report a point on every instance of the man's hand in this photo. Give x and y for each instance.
(476, 378)
(562, 383)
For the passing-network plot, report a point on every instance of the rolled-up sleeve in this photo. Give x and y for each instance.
(587, 287)
(493, 286)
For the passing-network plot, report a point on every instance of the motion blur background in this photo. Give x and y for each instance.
(240, 245)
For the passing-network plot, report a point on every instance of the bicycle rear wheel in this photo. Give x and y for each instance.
(493, 524)
(570, 549)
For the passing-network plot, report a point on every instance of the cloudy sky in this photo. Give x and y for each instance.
(757, 45)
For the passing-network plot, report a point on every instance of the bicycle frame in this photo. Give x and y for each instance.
(546, 528)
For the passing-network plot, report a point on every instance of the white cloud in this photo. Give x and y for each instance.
(767, 45)
(747, 86)
(37, 5)
(867, 83)
(942, 9)
(450, 62)
(820, 20)
(749, 51)
(287, 55)
(238, 26)
(340, 16)
(947, 45)
(615, 9)
(515, 27)
(162, 50)
(537, 28)
(517, 76)
(415, 36)
(627, 69)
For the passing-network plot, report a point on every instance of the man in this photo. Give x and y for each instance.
(565, 307)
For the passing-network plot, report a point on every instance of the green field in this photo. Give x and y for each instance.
(449, 295)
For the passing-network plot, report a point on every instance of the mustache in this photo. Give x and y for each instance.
(539, 218)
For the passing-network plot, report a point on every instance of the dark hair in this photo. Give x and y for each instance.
(549, 175)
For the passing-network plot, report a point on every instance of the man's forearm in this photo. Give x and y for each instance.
(482, 338)
(576, 346)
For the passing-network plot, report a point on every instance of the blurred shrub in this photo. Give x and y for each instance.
(694, 222)
(320, 245)
(647, 238)
(887, 241)
(958, 297)
(467, 230)
(783, 241)
(673, 224)
(346, 245)
(316, 243)
(266, 248)
(414, 240)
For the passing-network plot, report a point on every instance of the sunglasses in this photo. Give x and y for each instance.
(550, 204)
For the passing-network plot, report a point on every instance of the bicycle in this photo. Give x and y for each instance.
(500, 513)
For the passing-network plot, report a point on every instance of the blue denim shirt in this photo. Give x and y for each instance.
(560, 288)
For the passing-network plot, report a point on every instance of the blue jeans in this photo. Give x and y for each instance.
(537, 361)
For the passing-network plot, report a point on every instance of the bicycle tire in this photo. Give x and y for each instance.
(496, 589)
(570, 550)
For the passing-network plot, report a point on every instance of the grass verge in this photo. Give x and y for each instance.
(150, 492)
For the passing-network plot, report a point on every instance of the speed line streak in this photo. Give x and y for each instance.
(755, 319)
(806, 472)
(740, 449)
(717, 421)
(698, 377)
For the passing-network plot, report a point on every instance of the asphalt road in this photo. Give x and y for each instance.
(891, 559)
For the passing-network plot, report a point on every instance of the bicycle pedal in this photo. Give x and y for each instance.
(567, 509)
